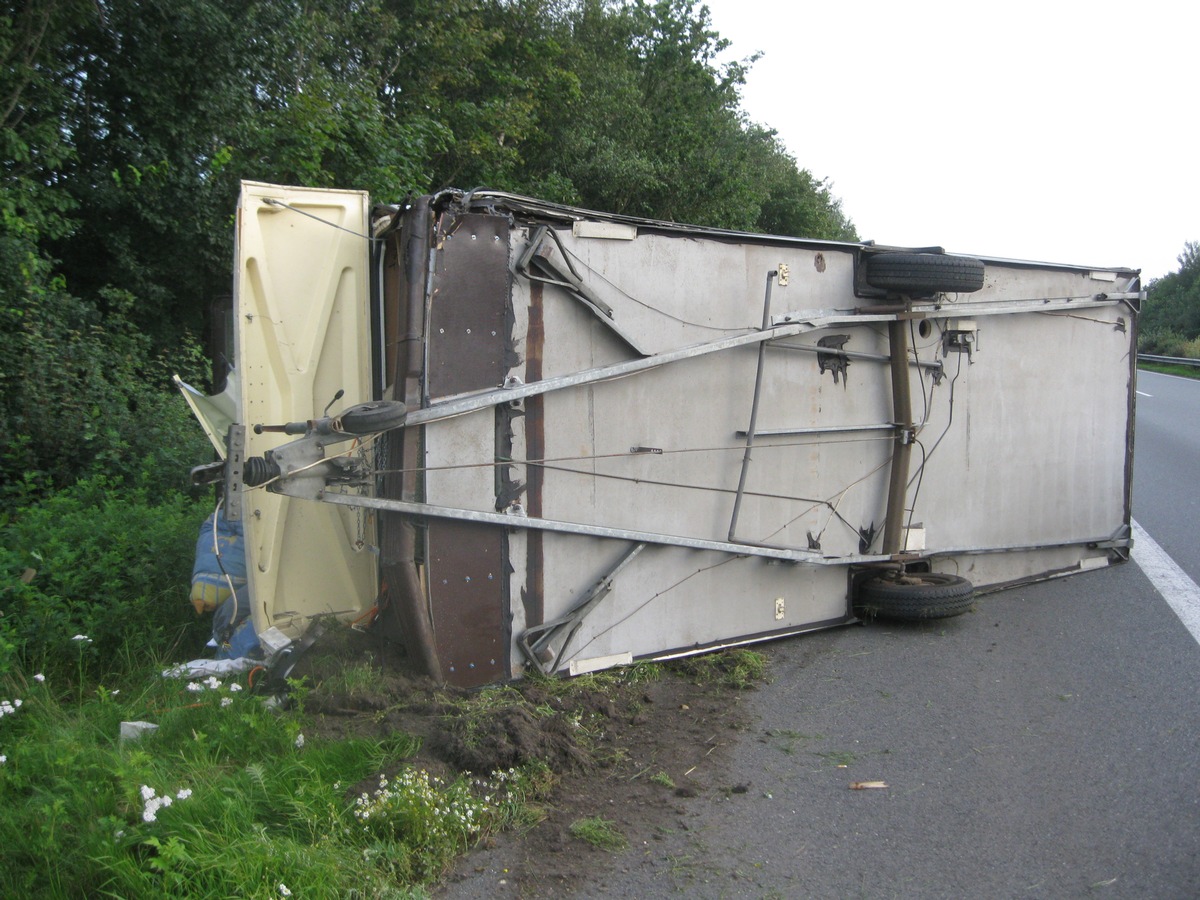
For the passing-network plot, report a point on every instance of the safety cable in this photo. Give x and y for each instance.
(271, 201)
(228, 580)
(698, 487)
(651, 599)
(841, 494)
(597, 273)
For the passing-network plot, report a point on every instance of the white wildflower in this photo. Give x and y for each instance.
(195, 687)
(82, 638)
(234, 688)
(39, 677)
(155, 803)
(299, 740)
(283, 890)
(3, 759)
(225, 701)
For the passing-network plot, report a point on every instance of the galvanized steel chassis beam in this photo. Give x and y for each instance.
(505, 520)
(785, 326)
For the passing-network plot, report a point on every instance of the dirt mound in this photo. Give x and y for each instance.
(509, 736)
(630, 747)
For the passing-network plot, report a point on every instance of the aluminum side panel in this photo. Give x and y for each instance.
(1022, 444)
(1035, 450)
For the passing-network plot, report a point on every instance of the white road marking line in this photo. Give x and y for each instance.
(1175, 585)
(1144, 394)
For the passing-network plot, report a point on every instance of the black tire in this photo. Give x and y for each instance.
(917, 274)
(369, 418)
(915, 597)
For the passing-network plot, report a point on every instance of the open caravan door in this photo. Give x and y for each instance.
(612, 439)
(302, 338)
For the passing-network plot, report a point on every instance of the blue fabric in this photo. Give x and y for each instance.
(243, 642)
(229, 558)
(232, 629)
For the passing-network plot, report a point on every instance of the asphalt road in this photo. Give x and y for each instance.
(1047, 745)
(1167, 465)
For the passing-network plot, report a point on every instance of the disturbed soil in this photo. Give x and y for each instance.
(631, 748)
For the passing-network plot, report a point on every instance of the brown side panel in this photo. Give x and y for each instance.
(467, 590)
(469, 348)
(467, 323)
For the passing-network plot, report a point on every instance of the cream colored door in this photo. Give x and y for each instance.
(301, 303)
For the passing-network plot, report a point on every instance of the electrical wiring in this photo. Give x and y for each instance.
(649, 600)
(736, 329)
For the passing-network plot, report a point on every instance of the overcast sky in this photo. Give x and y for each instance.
(1052, 131)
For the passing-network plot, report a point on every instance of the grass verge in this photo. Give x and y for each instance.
(225, 798)
(1167, 369)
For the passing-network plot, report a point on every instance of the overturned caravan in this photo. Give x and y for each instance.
(532, 436)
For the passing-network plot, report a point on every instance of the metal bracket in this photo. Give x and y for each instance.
(1119, 544)
(866, 537)
(305, 471)
(835, 361)
(235, 459)
(536, 642)
(960, 336)
(209, 473)
(538, 263)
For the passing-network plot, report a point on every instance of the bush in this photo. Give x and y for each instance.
(1168, 342)
(84, 393)
(107, 562)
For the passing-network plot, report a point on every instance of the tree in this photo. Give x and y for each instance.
(126, 125)
(1171, 314)
(172, 103)
(647, 123)
(81, 387)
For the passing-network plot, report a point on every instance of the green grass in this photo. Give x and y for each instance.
(226, 798)
(600, 833)
(663, 779)
(837, 757)
(351, 679)
(738, 669)
(786, 738)
(229, 798)
(1169, 369)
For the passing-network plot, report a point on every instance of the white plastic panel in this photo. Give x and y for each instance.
(301, 306)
